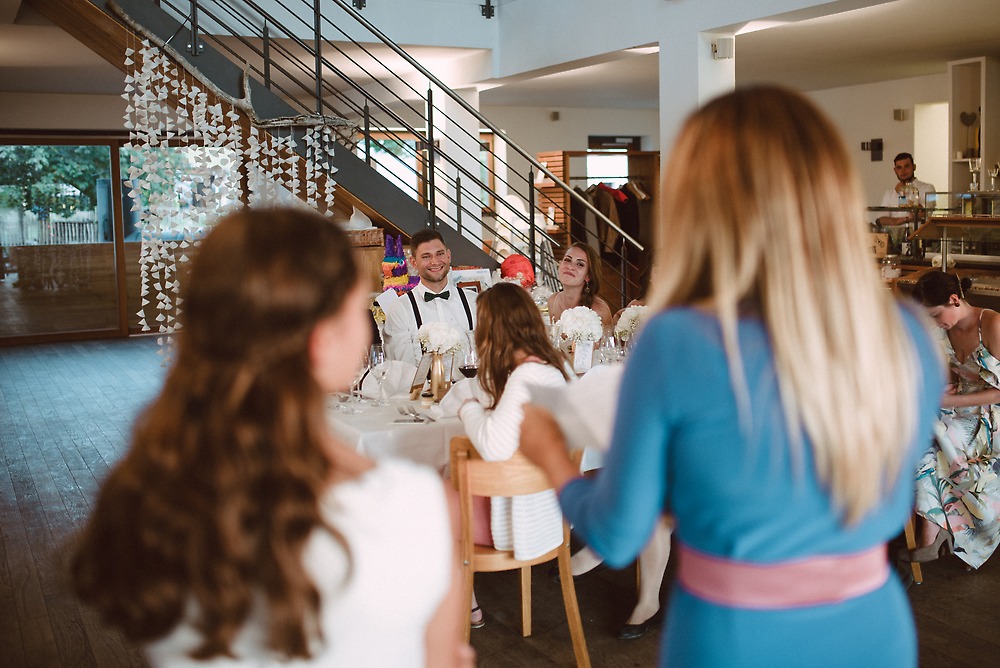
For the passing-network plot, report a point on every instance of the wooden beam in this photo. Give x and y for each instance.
(90, 25)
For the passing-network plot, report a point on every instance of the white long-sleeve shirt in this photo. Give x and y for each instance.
(400, 331)
(531, 524)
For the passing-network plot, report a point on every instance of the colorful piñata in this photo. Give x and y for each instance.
(395, 274)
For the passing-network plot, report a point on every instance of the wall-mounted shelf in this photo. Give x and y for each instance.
(974, 89)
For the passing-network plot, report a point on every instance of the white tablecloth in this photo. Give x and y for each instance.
(374, 433)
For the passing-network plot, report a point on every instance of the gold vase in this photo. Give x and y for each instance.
(439, 384)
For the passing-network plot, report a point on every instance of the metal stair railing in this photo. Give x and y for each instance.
(349, 68)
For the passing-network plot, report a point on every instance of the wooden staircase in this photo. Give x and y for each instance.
(357, 184)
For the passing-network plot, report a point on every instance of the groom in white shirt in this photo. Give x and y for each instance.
(434, 299)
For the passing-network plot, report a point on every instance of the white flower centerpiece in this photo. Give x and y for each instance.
(632, 318)
(583, 327)
(439, 339)
(581, 324)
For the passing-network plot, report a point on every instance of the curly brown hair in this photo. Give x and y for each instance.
(219, 490)
(508, 322)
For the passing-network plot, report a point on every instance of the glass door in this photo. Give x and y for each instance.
(58, 270)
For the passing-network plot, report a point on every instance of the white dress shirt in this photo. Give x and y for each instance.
(891, 198)
(400, 332)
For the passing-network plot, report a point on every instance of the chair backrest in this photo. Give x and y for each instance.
(510, 477)
(473, 476)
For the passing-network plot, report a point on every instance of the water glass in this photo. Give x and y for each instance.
(354, 401)
(380, 369)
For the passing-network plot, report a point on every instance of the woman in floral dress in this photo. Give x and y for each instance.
(958, 489)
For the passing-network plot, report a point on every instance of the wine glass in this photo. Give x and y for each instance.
(380, 369)
(974, 165)
(470, 363)
(607, 351)
(994, 172)
(352, 405)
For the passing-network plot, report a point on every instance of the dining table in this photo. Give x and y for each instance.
(383, 432)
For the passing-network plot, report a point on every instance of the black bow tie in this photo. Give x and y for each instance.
(430, 296)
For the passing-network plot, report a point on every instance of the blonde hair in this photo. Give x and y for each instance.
(761, 208)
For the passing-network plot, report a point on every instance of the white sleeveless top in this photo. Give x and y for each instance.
(377, 597)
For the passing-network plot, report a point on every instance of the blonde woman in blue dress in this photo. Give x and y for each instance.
(775, 405)
(958, 490)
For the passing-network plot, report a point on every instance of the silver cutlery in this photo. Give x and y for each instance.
(413, 411)
(408, 415)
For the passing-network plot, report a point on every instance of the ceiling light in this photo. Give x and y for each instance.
(643, 50)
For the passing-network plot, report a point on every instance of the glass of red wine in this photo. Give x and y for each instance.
(470, 363)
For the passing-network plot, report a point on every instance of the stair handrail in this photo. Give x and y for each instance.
(485, 121)
(503, 232)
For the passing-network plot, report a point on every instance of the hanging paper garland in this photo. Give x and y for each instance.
(186, 158)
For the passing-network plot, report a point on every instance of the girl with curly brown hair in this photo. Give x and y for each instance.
(237, 528)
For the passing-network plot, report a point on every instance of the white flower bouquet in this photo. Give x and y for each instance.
(439, 337)
(630, 321)
(581, 324)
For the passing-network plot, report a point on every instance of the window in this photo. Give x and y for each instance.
(57, 251)
(610, 165)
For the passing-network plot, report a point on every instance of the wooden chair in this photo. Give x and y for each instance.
(472, 476)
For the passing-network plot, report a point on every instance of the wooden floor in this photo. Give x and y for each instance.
(65, 412)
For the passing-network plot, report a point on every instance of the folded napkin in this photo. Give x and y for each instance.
(461, 390)
(398, 379)
(585, 409)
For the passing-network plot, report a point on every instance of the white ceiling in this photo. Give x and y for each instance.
(896, 40)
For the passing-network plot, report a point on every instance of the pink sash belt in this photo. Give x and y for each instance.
(788, 584)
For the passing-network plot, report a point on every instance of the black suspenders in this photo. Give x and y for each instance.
(416, 311)
(461, 294)
(465, 304)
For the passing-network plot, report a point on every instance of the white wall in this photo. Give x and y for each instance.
(860, 112)
(865, 112)
(536, 34)
(533, 129)
(930, 142)
(41, 111)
